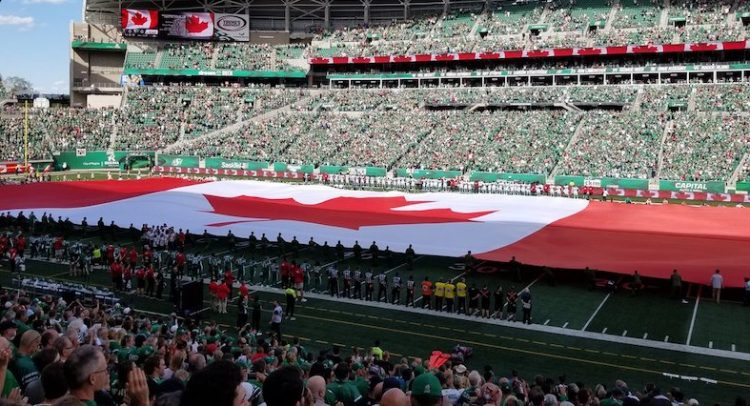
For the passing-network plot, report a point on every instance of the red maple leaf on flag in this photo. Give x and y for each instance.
(194, 24)
(138, 19)
(344, 212)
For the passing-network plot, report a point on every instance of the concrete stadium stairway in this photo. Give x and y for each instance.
(183, 143)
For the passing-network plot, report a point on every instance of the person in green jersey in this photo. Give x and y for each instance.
(86, 373)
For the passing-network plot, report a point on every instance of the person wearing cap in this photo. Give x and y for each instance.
(426, 391)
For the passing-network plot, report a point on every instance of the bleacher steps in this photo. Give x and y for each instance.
(638, 99)
(664, 19)
(691, 99)
(732, 182)
(181, 142)
(158, 58)
(612, 16)
(668, 128)
(571, 142)
(113, 135)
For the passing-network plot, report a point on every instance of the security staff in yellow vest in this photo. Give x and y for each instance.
(461, 296)
(450, 296)
(439, 294)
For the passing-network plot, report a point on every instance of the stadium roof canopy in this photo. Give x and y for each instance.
(296, 15)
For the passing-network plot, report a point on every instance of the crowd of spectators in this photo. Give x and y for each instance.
(565, 24)
(704, 147)
(621, 145)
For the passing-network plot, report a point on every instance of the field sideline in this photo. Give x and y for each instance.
(567, 305)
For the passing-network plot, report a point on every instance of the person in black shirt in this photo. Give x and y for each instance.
(499, 301)
(473, 298)
(484, 300)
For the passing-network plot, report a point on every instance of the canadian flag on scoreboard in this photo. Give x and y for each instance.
(199, 25)
(139, 19)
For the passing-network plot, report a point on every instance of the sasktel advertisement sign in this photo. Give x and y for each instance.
(231, 27)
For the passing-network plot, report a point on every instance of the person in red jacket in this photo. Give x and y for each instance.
(229, 280)
(122, 254)
(57, 247)
(222, 293)
(179, 262)
(133, 257)
(116, 270)
(213, 291)
(127, 274)
(284, 268)
(147, 255)
(20, 244)
(150, 280)
(110, 252)
(140, 280)
(298, 276)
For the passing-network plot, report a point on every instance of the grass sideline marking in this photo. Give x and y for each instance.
(695, 312)
(585, 326)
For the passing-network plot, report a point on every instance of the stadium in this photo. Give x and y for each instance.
(396, 202)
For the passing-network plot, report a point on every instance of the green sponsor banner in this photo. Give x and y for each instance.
(565, 180)
(429, 174)
(221, 163)
(375, 171)
(279, 166)
(333, 169)
(83, 159)
(514, 177)
(623, 183)
(743, 187)
(181, 161)
(218, 72)
(99, 46)
(688, 186)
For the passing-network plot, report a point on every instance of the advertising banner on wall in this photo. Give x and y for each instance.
(231, 27)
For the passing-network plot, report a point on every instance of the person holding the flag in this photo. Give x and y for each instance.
(427, 292)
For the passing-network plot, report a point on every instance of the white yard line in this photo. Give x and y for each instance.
(585, 326)
(695, 313)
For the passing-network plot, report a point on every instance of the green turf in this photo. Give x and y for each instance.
(322, 322)
(724, 325)
(647, 313)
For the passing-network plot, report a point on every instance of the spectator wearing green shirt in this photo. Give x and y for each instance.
(7, 378)
(343, 389)
(22, 366)
(86, 373)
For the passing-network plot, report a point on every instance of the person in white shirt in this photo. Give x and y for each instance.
(717, 282)
(276, 318)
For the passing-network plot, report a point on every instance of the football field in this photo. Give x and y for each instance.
(592, 336)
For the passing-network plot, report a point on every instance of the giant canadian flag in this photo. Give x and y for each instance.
(539, 230)
(139, 19)
(199, 25)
